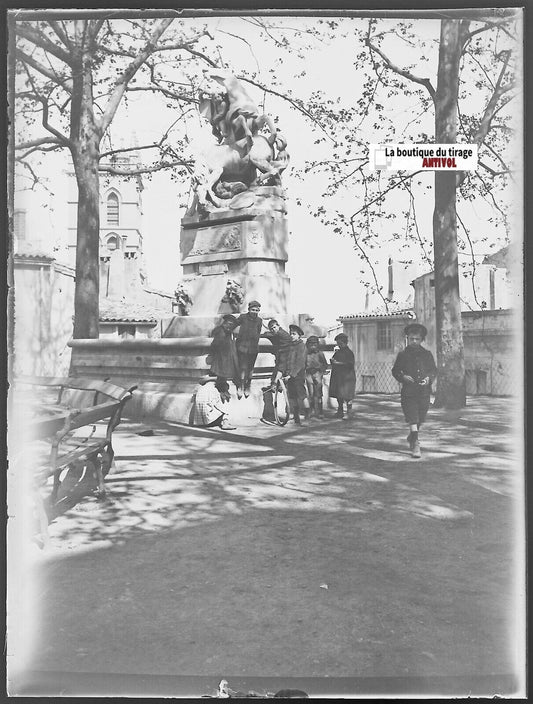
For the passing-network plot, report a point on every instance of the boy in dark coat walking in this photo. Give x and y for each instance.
(416, 370)
(249, 325)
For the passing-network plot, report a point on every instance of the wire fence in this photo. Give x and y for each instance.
(496, 377)
(484, 378)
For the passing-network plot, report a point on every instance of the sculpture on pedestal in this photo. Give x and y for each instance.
(245, 157)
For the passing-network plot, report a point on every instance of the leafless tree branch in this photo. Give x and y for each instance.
(402, 72)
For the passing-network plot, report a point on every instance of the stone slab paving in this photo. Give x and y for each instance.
(295, 532)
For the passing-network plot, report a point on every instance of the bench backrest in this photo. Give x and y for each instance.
(118, 393)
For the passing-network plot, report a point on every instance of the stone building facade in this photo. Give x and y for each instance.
(490, 330)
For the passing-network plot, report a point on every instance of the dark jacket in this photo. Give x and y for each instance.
(295, 364)
(223, 354)
(281, 342)
(249, 332)
(342, 383)
(418, 363)
(315, 362)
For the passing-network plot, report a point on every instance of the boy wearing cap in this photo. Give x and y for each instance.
(281, 341)
(342, 384)
(294, 373)
(416, 370)
(249, 325)
(315, 367)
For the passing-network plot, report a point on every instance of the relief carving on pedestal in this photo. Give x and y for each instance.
(231, 238)
(254, 234)
(211, 241)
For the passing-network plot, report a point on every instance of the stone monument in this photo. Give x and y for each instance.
(234, 236)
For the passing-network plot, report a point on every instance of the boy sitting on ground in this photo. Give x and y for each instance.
(207, 411)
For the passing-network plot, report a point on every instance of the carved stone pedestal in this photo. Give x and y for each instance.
(246, 242)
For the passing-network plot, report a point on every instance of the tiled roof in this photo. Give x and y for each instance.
(383, 314)
(126, 311)
(405, 308)
(34, 255)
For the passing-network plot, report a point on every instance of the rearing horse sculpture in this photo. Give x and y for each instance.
(232, 166)
(228, 164)
(233, 113)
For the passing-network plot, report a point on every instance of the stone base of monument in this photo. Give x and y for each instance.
(160, 402)
(166, 372)
(245, 242)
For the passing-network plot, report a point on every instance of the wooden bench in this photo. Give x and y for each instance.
(78, 404)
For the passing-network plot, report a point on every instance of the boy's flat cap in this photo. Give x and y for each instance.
(415, 327)
(296, 328)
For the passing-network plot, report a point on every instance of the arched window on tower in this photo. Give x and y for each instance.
(112, 209)
(113, 242)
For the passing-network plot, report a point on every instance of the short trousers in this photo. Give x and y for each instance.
(296, 389)
(415, 408)
(314, 383)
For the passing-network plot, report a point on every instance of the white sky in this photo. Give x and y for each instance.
(323, 266)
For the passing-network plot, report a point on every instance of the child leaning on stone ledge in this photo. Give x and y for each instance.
(249, 325)
(222, 356)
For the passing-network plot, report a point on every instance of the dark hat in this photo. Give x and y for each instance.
(254, 304)
(229, 316)
(341, 337)
(415, 327)
(296, 328)
(272, 322)
(312, 338)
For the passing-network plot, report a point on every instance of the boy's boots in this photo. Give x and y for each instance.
(320, 409)
(339, 413)
(293, 408)
(414, 444)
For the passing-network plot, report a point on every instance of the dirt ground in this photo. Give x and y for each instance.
(323, 557)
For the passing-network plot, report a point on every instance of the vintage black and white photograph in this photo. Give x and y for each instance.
(265, 353)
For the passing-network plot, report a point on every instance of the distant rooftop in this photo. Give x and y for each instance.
(392, 309)
(127, 312)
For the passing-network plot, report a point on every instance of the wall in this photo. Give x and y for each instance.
(491, 285)
(44, 306)
(373, 366)
(490, 358)
(489, 344)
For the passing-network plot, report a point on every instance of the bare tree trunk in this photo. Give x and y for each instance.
(85, 154)
(451, 389)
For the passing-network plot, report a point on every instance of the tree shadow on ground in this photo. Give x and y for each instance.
(182, 476)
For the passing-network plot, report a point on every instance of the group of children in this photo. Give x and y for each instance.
(302, 365)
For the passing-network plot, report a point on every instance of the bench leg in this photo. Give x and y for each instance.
(107, 459)
(94, 463)
(55, 488)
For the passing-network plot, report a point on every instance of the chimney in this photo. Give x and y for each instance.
(390, 294)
